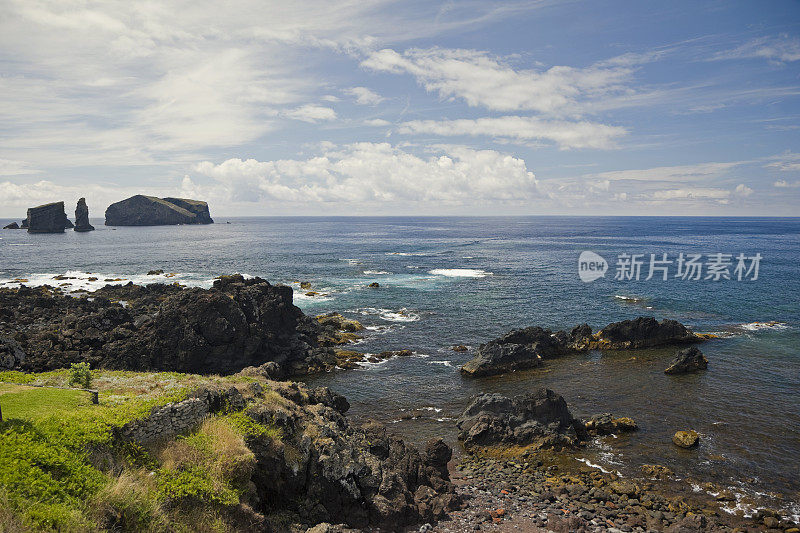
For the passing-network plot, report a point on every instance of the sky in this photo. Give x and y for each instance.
(382, 107)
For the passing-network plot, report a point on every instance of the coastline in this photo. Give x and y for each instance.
(535, 490)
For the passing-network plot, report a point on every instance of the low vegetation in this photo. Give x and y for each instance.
(63, 468)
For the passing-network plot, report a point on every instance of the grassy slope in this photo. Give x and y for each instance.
(50, 441)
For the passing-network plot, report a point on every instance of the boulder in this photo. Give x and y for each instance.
(689, 360)
(47, 218)
(540, 419)
(13, 225)
(11, 353)
(644, 332)
(374, 285)
(460, 348)
(686, 439)
(140, 210)
(82, 216)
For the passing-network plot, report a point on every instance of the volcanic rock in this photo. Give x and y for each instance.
(82, 216)
(47, 218)
(540, 419)
(644, 332)
(689, 360)
(143, 210)
(13, 225)
(235, 324)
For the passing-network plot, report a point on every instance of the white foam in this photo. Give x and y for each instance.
(443, 363)
(401, 315)
(408, 254)
(460, 272)
(78, 281)
(587, 462)
(769, 325)
(376, 272)
(628, 298)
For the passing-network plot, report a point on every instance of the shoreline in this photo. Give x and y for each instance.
(529, 504)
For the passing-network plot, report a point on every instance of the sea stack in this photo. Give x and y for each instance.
(47, 218)
(82, 216)
(143, 210)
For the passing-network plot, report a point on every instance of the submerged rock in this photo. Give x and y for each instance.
(689, 360)
(686, 439)
(540, 419)
(606, 424)
(13, 225)
(82, 216)
(644, 332)
(47, 218)
(140, 210)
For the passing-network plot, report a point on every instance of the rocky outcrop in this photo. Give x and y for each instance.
(13, 225)
(540, 419)
(327, 470)
(528, 348)
(82, 216)
(198, 207)
(689, 360)
(143, 210)
(235, 324)
(311, 463)
(47, 218)
(644, 332)
(520, 349)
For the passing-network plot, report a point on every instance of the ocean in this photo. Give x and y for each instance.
(449, 281)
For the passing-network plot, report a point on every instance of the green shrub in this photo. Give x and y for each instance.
(80, 374)
(193, 486)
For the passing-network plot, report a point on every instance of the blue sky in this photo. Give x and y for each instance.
(385, 107)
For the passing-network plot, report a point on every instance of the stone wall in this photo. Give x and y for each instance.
(173, 419)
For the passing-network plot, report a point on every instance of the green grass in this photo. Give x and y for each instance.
(48, 483)
(34, 403)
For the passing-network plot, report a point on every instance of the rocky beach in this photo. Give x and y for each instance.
(517, 465)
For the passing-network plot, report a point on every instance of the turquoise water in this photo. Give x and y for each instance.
(447, 281)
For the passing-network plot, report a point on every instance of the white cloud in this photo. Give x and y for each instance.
(566, 134)
(786, 184)
(365, 96)
(311, 113)
(679, 173)
(742, 190)
(481, 79)
(368, 174)
(785, 162)
(782, 49)
(377, 122)
(10, 167)
(691, 193)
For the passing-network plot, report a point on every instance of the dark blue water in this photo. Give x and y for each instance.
(447, 281)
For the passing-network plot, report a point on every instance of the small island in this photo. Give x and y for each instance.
(141, 210)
